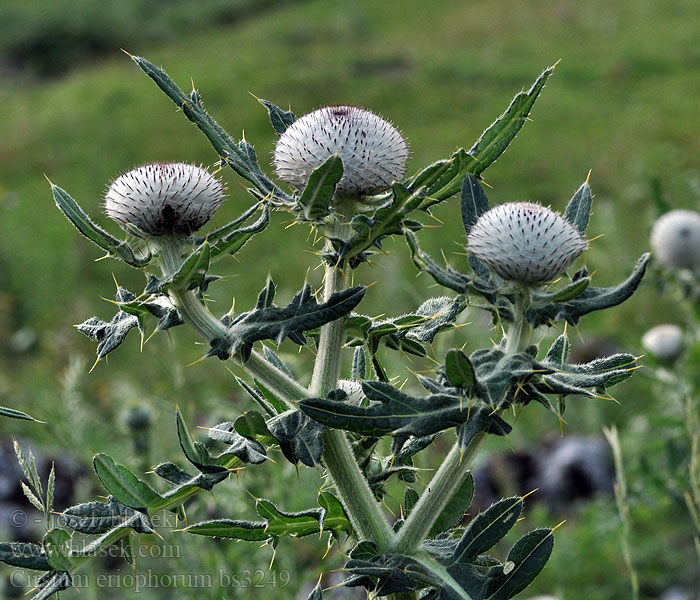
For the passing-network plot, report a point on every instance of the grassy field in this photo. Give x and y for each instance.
(622, 103)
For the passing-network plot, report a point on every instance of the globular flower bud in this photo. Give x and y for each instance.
(676, 238)
(372, 150)
(664, 342)
(525, 242)
(164, 199)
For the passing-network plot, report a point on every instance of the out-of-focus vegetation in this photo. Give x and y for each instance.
(623, 103)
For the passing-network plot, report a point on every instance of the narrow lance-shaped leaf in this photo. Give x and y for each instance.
(51, 583)
(578, 211)
(488, 528)
(474, 202)
(193, 271)
(316, 198)
(232, 242)
(227, 528)
(122, 483)
(456, 508)
(525, 561)
(17, 414)
(114, 247)
(239, 156)
(280, 119)
(24, 555)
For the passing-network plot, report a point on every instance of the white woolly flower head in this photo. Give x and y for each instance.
(372, 150)
(664, 342)
(676, 238)
(525, 242)
(164, 199)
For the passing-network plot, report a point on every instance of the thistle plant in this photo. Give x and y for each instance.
(345, 166)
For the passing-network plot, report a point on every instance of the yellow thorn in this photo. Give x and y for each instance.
(554, 66)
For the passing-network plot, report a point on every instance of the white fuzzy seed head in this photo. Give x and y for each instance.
(676, 238)
(664, 342)
(525, 242)
(372, 150)
(164, 198)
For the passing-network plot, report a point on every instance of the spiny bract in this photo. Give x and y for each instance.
(525, 242)
(372, 150)
(164, 199)
(676, 238)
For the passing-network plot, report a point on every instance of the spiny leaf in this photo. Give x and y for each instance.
(240, 156)
(100, 517)
(51, 583)
(56, 543)
(459, 370)
(297, 524)
(578, 211)
(97, 235)
(24, 555)
(123, 484)
(316, 198)
(193, 271)
(299, 438)
(228, 528)
(474, 202)
(487, 528)
(280, 119)
(527, 559)
(16, 414)
(455, 509)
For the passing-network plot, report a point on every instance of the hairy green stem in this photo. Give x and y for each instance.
(437, 495)
(353, 490)
(363, 510)
(458, 463)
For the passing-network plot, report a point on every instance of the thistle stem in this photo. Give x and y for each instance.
(441, 489)
(363, 510)
(353, 490)
(458, 463)
(210, 328)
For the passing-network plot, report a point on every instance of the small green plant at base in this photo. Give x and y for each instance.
(346, 167)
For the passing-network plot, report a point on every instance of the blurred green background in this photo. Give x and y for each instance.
(622, 103)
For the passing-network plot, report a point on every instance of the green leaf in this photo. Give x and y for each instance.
(392, 412)
(316, 593)
(227, 528)
(234, 241)
(387, 220)
(51, 583)
(100, 517)
(251, 424)
(24, 555)
(17, 414)
(280, 119)
(455, 509)
(57, 545)
(123, 484)
(558, 352)
(316, 198)
(459, 370)
(245, 449)
(240, 156)
(299, 438)
(441, 313)
(97, 235)
(111, 335)
(334, 520)
(487, 529)
(592, 299)
(193, 271)
(297, 524)
(277, 323)
(526, 560)
(578, 211)
(474, 202)
(501, 132)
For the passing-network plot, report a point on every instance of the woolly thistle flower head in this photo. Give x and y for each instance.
(664, 342)
(372, 150)
(676, 238)
(164, 199)
(525, 242)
